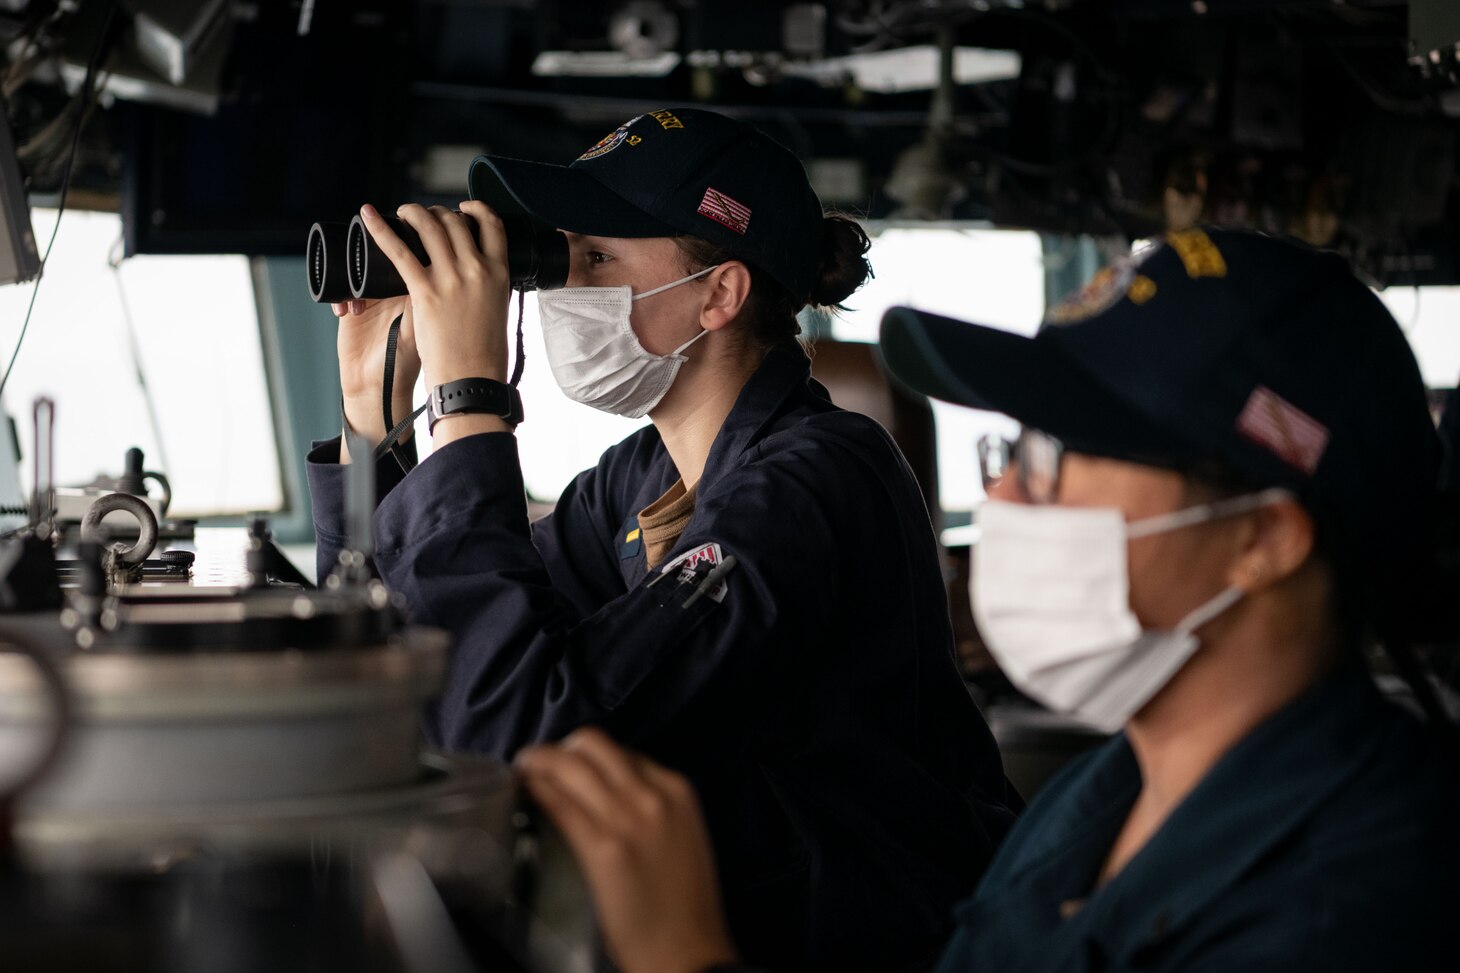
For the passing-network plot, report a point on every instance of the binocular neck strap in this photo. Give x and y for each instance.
(521, 357)
(391, 443)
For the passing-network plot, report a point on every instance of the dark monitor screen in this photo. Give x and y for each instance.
(308, 129)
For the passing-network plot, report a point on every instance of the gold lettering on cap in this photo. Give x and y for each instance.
(666, 119)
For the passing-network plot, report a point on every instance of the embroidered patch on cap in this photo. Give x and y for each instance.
(1283, 429)
(701, 558)
(1199, 255)
(610, 141)
(1100, 293)
(722, 209)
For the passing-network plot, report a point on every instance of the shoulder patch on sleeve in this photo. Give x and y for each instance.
(698, 564)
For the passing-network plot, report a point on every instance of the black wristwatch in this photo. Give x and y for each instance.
(481, 395)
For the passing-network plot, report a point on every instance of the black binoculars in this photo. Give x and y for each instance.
(345, 263)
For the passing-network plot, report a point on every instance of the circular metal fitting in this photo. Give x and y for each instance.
(91, 529)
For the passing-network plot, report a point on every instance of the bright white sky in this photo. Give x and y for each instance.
(1430, 316)
(197, 333)
(992, 277)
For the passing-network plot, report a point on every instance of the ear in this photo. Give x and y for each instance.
(725, 297)
(1278, 543)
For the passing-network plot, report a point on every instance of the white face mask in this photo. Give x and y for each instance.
(594, 354)
(1051, 597)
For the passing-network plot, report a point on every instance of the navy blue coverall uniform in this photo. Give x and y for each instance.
(1325, 840)
(852, 790)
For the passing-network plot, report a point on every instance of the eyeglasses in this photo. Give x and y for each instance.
(1035, 456)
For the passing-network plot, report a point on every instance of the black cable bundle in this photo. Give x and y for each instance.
(84, 102)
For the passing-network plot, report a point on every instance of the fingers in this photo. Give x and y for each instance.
(429, 225)
(621, 791)
(458, 231)
(491, 233)
(673, 785)
(577, 826)
(358, 307)
(581, 780)
(601, 796)
(616, 765)
(446, 237)
(450, 245)
(394, 248)
(635, 830)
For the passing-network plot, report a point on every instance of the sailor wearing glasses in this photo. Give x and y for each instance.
(1214, 508)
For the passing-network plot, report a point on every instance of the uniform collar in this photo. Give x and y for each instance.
(784, 374)
(1259, 793)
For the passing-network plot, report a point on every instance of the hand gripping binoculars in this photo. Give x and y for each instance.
(345, 263)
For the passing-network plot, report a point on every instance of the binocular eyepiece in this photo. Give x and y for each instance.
(344, 262)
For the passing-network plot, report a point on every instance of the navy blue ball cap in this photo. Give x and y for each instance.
(685, 171)
(921, 349)
(1261, 354)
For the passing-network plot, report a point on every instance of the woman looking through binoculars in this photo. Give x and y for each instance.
(749, 589)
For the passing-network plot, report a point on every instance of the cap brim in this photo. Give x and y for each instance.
(560, 196)
(1029, 380)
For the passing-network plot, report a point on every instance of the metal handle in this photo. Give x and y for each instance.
(91, 529)
(43, 483)
(166, 500)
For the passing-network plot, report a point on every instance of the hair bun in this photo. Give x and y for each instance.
(843, 267)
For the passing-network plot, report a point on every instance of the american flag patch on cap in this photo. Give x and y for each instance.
(1282, 428)
(722, 209)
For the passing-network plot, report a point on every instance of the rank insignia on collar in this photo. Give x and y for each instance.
(631, 539)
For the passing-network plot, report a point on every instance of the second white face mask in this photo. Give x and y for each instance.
(594, 355)
(1050, 593)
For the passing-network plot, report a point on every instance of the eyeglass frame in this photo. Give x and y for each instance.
(1039, 459)
(1034, 449)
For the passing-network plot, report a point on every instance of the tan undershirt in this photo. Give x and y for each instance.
(664, 520)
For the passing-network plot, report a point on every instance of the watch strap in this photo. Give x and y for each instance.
(474, 395)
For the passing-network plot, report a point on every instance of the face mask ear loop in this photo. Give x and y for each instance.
(681, 348)
(1202, 614)
(674, 283)
(1202, 513)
